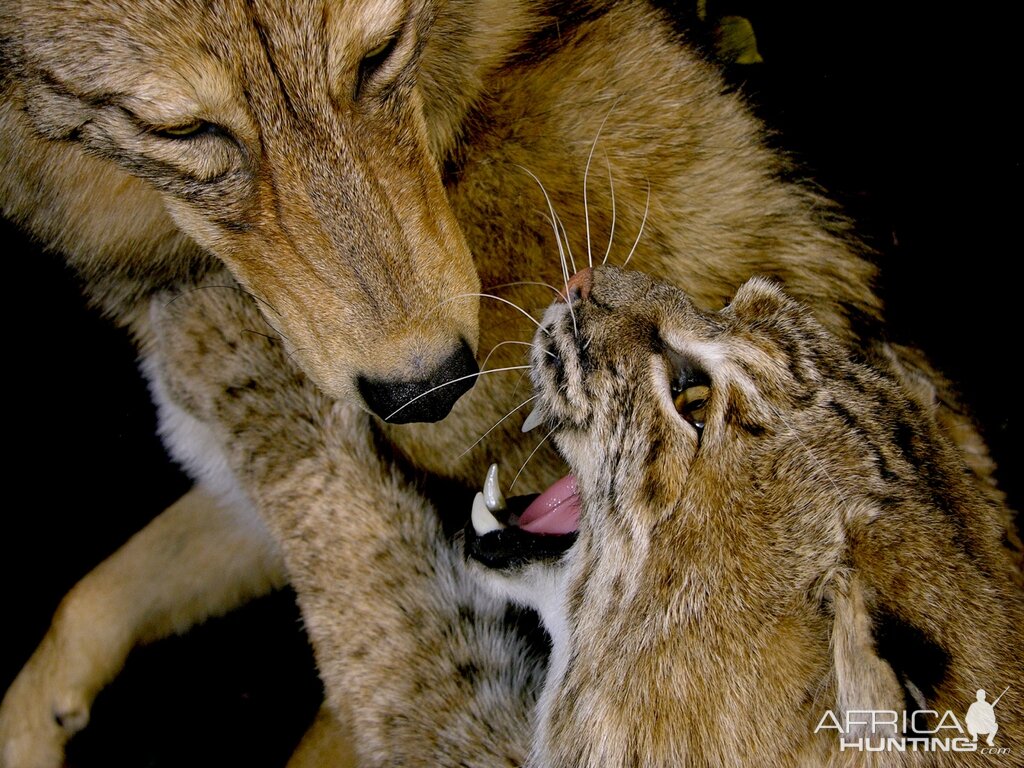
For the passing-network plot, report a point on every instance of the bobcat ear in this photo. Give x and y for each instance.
(761, 300)
(864, 680)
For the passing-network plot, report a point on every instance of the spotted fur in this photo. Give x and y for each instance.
(817, 545)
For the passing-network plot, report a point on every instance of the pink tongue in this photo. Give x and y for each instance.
(556, 511)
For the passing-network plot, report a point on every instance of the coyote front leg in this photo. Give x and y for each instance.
(199, 558)
(405, 640)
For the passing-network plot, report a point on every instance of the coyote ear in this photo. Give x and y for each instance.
(864, 680)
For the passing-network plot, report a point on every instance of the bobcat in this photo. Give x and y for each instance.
(362, 168)
(758, 529)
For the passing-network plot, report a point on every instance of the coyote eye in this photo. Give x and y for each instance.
(690, 388)
(189, 130)
(374, 60)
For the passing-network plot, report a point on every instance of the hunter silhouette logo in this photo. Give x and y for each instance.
(981, 717)
(922, 730)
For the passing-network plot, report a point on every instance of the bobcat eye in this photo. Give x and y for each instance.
(374, 60)
(189, 130)
(690, 388)
(692, 404)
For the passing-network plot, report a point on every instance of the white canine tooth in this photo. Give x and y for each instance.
(533, 421)
(483, 521)
(493, 496)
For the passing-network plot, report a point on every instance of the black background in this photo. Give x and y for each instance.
(905, 114)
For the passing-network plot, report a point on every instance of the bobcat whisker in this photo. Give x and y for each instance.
(558, 240)
(496, 425)
(586, 173)
(532, 454)
(454, 381)
(565, 236)
(611, 189)
(515, 389)
(647, 207)
(496, 298)
(524, 282)
(521, 343)
(568, 248)
(568, 260)
(552, 220)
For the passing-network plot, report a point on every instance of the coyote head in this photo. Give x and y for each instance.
(290, 139)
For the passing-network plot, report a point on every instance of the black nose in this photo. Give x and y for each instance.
(400, 401)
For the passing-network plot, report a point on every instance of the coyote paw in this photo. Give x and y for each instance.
(41, 710)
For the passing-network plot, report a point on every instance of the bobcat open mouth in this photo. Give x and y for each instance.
(505, 533)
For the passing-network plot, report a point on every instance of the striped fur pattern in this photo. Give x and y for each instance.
(814, 544)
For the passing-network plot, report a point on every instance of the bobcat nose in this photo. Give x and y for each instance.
(400, 401)
(579, 284)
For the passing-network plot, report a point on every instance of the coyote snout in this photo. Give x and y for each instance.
(290, 142)
(429, 398)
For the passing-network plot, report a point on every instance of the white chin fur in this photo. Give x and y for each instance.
(193, 444)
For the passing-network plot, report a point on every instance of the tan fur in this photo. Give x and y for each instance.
(334, 211)
(816, 547)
